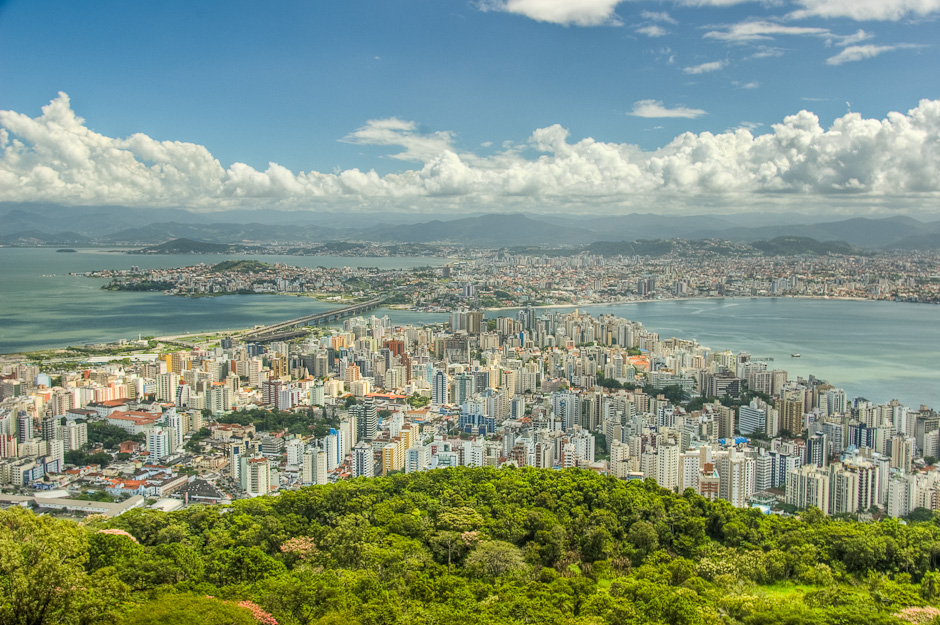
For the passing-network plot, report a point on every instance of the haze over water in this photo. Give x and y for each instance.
(879, 350)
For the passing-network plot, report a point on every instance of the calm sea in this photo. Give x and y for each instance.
(878, 350)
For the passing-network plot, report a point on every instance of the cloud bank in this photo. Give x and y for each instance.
(56, 158)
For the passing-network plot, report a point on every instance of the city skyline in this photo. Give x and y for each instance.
(585, 107)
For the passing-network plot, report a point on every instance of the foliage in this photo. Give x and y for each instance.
(43, 577)
(418, 401)
(294, 421)
(110, 436)
(80, 458)
(500, 546)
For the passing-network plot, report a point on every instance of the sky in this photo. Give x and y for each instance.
(451, 106)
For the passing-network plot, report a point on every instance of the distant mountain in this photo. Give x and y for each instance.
(225, 233)
(35, 237)
(40, 224)
(925, 241)
(791, 246)
(492, 230)
(860, 231)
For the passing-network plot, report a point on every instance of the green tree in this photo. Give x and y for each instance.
(493, 558)
(42, 573)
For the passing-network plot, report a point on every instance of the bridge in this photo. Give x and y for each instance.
(284, 330)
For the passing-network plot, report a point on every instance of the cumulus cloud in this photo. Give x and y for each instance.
(762, 30)
(653, 30)
(867, 10)
(567, 12)
(859, 53)
(655, 108)
(55, 158)
(704, 68)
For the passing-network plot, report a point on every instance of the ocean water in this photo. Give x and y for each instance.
(877, 350)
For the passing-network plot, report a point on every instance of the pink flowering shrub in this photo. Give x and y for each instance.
(917, 615)
(301, 546)
(117, 532)
(260, 615)
(256, 611)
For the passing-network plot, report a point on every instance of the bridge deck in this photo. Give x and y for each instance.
(316, 318)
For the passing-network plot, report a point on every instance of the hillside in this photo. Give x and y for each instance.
(186, 246)
(791, 245)
(475, 546)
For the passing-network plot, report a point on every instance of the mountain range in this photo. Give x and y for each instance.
(46, 224)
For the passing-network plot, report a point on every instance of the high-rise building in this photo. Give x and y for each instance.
(808, 486)
(258, 478)
(439, 388)
(167, 385)
(791, 412)
(367, 419)
(363, 460)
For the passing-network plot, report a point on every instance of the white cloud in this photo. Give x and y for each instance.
(762, 30)
(859, 36)
(767, 52)
(392, 131)
(879, 162)
(713, 3)
(745, 85)
(652, 31)
(860, 53)
(867, 10)
(658, 16)
(567, 12)
(655, 108)
(704, 68)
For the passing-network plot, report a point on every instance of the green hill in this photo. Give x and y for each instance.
(475, 546)
(241, 266)
(793, 245)
(186, 246)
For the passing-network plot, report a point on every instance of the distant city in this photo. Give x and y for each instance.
(492, 279)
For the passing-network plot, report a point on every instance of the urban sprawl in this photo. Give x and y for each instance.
(163, 424)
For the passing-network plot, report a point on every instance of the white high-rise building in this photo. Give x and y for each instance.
(158, 444)
(258, 478)
(417, 458)
(363, 460)
(295, 452)
(167, 385)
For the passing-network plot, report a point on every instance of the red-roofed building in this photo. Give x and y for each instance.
(133, 422)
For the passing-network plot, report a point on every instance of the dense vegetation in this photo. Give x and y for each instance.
(186, 246)
(469, 546)
(314, 421)
(241, 266)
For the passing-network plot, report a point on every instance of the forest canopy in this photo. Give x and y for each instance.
(469, 545)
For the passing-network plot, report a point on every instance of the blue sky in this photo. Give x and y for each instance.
(492, 104)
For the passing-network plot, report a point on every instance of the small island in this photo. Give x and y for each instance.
(67, 249)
